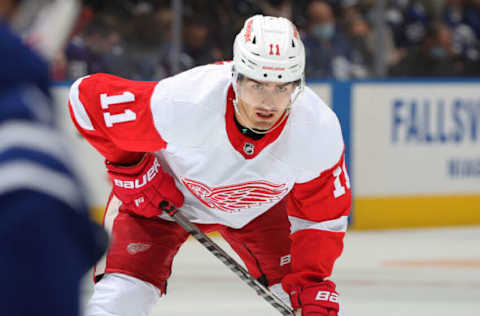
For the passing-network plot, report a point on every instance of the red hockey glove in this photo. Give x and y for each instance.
(143, 186)
(319, 299)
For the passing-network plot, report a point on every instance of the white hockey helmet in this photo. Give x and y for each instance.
(269, 49)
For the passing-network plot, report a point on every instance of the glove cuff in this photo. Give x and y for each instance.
(131, 170)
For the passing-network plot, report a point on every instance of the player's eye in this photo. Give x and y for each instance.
(257, 86)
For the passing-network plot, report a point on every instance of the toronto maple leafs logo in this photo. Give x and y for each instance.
(234, 198)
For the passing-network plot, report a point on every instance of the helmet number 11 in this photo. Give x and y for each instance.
(277, 49)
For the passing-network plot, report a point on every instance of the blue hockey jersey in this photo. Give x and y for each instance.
(47, 241)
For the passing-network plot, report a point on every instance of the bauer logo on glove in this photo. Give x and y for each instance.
(143, 186)
(138, 183)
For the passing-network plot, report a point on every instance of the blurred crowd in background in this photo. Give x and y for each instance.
(423, 38)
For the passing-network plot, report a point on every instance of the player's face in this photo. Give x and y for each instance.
(262, 103)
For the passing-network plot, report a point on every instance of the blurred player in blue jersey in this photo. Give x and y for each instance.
(47, 241)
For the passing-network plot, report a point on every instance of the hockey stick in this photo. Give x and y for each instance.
(218, 252)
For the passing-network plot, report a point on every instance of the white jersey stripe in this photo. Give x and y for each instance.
(38, 104)
(338, 225)
(23, 174)
(78, 109)
(31, 136)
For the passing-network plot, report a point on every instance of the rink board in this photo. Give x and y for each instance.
(413, 151)
(422, 211)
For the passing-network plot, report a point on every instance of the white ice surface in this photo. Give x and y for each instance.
(373, 276)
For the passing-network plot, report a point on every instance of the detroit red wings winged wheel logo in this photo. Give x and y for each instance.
(234, 198)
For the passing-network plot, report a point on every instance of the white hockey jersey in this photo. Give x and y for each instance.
(226, 177)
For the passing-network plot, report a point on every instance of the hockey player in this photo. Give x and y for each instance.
(47, 240)
(242, 148)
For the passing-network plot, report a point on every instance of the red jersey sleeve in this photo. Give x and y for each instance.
(318, 212)
(114, 115)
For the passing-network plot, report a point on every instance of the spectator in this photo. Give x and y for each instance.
(453, 12)
(198, 46)
(348, 9)
(408, 20)
(97, 49)
(472, 16)
(281, 8)
(393, 54)
(327, 48)
(339, 44)
(464, 39)
(147, 42)
(362, 53)
(435, 57)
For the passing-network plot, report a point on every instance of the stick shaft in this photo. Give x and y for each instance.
(233, 265)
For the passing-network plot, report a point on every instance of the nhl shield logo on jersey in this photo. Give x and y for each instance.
(234, 198)
(249, 148)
